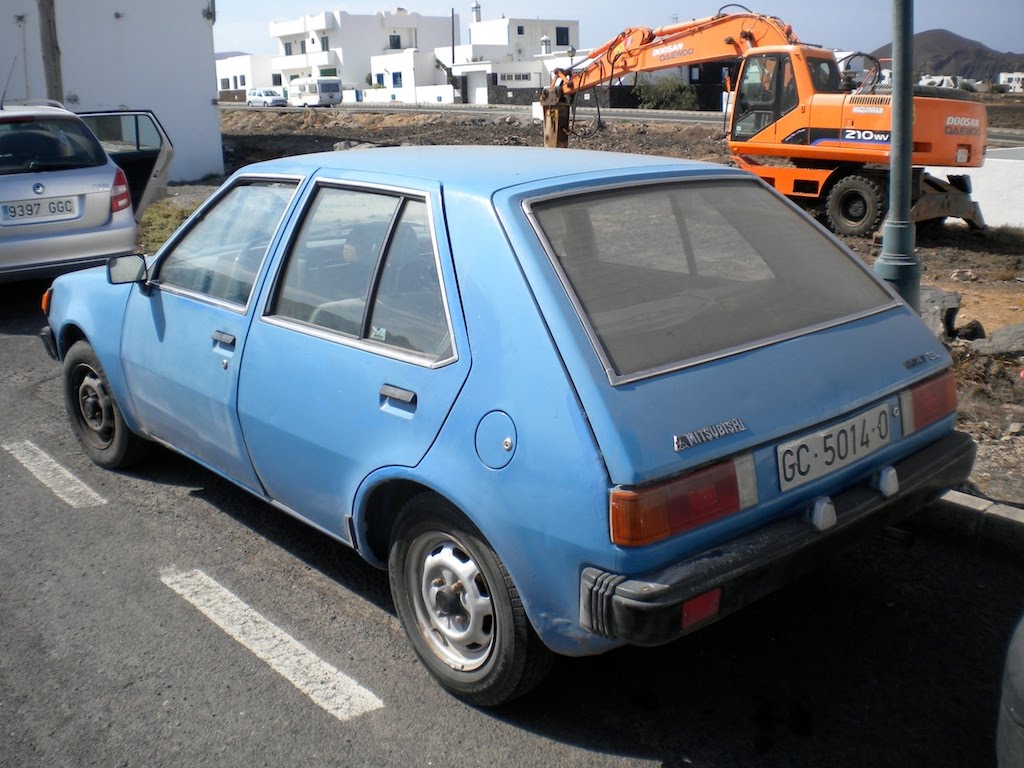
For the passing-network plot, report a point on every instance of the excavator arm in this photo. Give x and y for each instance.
(642, 49)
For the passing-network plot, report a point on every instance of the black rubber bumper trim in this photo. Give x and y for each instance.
(49, 342)
(648, 611)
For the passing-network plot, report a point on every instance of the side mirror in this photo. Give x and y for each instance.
(126, 269)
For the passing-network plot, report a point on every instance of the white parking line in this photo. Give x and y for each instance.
(51, 474)
(330, 688)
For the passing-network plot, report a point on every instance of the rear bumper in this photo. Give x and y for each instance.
(649, 610)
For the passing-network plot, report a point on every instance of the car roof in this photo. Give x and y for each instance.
(481, 168)
(35, 110)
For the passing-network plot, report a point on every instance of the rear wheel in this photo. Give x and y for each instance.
(459, 606)
(95, 416)
(855, 206)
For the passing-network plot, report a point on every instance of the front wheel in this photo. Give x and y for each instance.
(856, 205)
(94, 414)
(459, 607)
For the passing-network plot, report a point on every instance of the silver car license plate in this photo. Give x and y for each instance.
(812, 456)
(38, 211)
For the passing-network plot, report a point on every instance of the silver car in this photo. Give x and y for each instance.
(265, 97)
(71, 192)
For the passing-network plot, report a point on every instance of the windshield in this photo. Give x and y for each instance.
(47, 143)
(668, 274)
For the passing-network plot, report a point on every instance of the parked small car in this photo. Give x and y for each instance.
(571, 400)
(72, 186)
(265, 97)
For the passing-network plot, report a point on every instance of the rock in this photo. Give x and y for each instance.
(972, 331)
(963, 276)
(1016, 428)
(938, 310)
(1003, 341)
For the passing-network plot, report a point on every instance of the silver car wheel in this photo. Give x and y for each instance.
(451, 600)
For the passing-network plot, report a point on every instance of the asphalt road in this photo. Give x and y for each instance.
(889, 656)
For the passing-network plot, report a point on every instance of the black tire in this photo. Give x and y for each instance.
(856, 205)
(248, 103)
(95, 416)
(459, 607)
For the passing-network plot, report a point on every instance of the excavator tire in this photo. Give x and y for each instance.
(856, 205)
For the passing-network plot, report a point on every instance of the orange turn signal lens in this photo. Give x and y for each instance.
(646, 515)
(45, 301)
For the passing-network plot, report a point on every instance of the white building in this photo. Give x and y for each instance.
(341, 44)
(507, 55)
(243, 71)
(115, 54)
(1012, 81)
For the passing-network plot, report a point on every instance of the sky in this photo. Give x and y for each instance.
(862, 26)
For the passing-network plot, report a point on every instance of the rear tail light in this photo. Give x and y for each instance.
(120, 197)
(928, 402)
(646, 515)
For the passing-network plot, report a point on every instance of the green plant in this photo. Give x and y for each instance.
(666, 92)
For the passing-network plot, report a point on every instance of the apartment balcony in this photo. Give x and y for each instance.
(320, 59)
(318, 22)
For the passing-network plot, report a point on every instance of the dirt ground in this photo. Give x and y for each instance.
(986, 269)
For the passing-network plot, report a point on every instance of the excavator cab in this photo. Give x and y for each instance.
(767, 91)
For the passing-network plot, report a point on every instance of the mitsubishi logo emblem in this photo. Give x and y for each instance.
(38, 188)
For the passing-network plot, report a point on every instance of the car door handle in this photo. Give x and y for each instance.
(226, 339)
(399, 394)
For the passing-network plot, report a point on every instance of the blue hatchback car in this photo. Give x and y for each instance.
(570, 400)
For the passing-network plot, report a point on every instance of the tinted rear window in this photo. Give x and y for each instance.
(47, 144)
(667, 274)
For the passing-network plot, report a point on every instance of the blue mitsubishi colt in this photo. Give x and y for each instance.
(570, 400)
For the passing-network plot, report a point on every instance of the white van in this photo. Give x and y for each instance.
(314, 91)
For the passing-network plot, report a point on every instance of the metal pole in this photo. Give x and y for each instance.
(897, 264)
(50, 48)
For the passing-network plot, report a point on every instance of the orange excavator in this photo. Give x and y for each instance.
(797, 120)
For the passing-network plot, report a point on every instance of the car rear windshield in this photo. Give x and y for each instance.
(664, 275)
(31, 144)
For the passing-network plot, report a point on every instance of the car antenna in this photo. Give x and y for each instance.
(3, 95)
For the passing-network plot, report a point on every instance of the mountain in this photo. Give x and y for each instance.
(940, 52)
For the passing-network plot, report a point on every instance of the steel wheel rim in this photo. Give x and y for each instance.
(94, 410)
(854, 207)
(451, 601)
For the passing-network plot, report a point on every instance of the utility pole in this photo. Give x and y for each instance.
(897, 264)
(50, 49)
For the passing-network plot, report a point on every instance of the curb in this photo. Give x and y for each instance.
(981, 522)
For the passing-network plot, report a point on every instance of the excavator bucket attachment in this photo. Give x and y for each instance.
(951, 198)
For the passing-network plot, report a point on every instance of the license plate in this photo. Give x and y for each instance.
(812, 456)
(38, 211)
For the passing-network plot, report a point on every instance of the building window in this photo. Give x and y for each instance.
(241, 80)
(394, 42)
(396, 79)
(520, 30)
(287, 49)
(562, 36)
(329, 72)
(225, 83)
(235, 79)
(275, 79)
(325, 43)
(380, 78)
(302, 46)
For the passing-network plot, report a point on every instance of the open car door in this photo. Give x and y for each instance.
(137, 142)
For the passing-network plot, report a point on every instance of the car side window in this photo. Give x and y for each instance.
(221, 253)
(408, 309)
(356, 244)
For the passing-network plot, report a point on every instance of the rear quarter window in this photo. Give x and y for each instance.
(670, 274)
